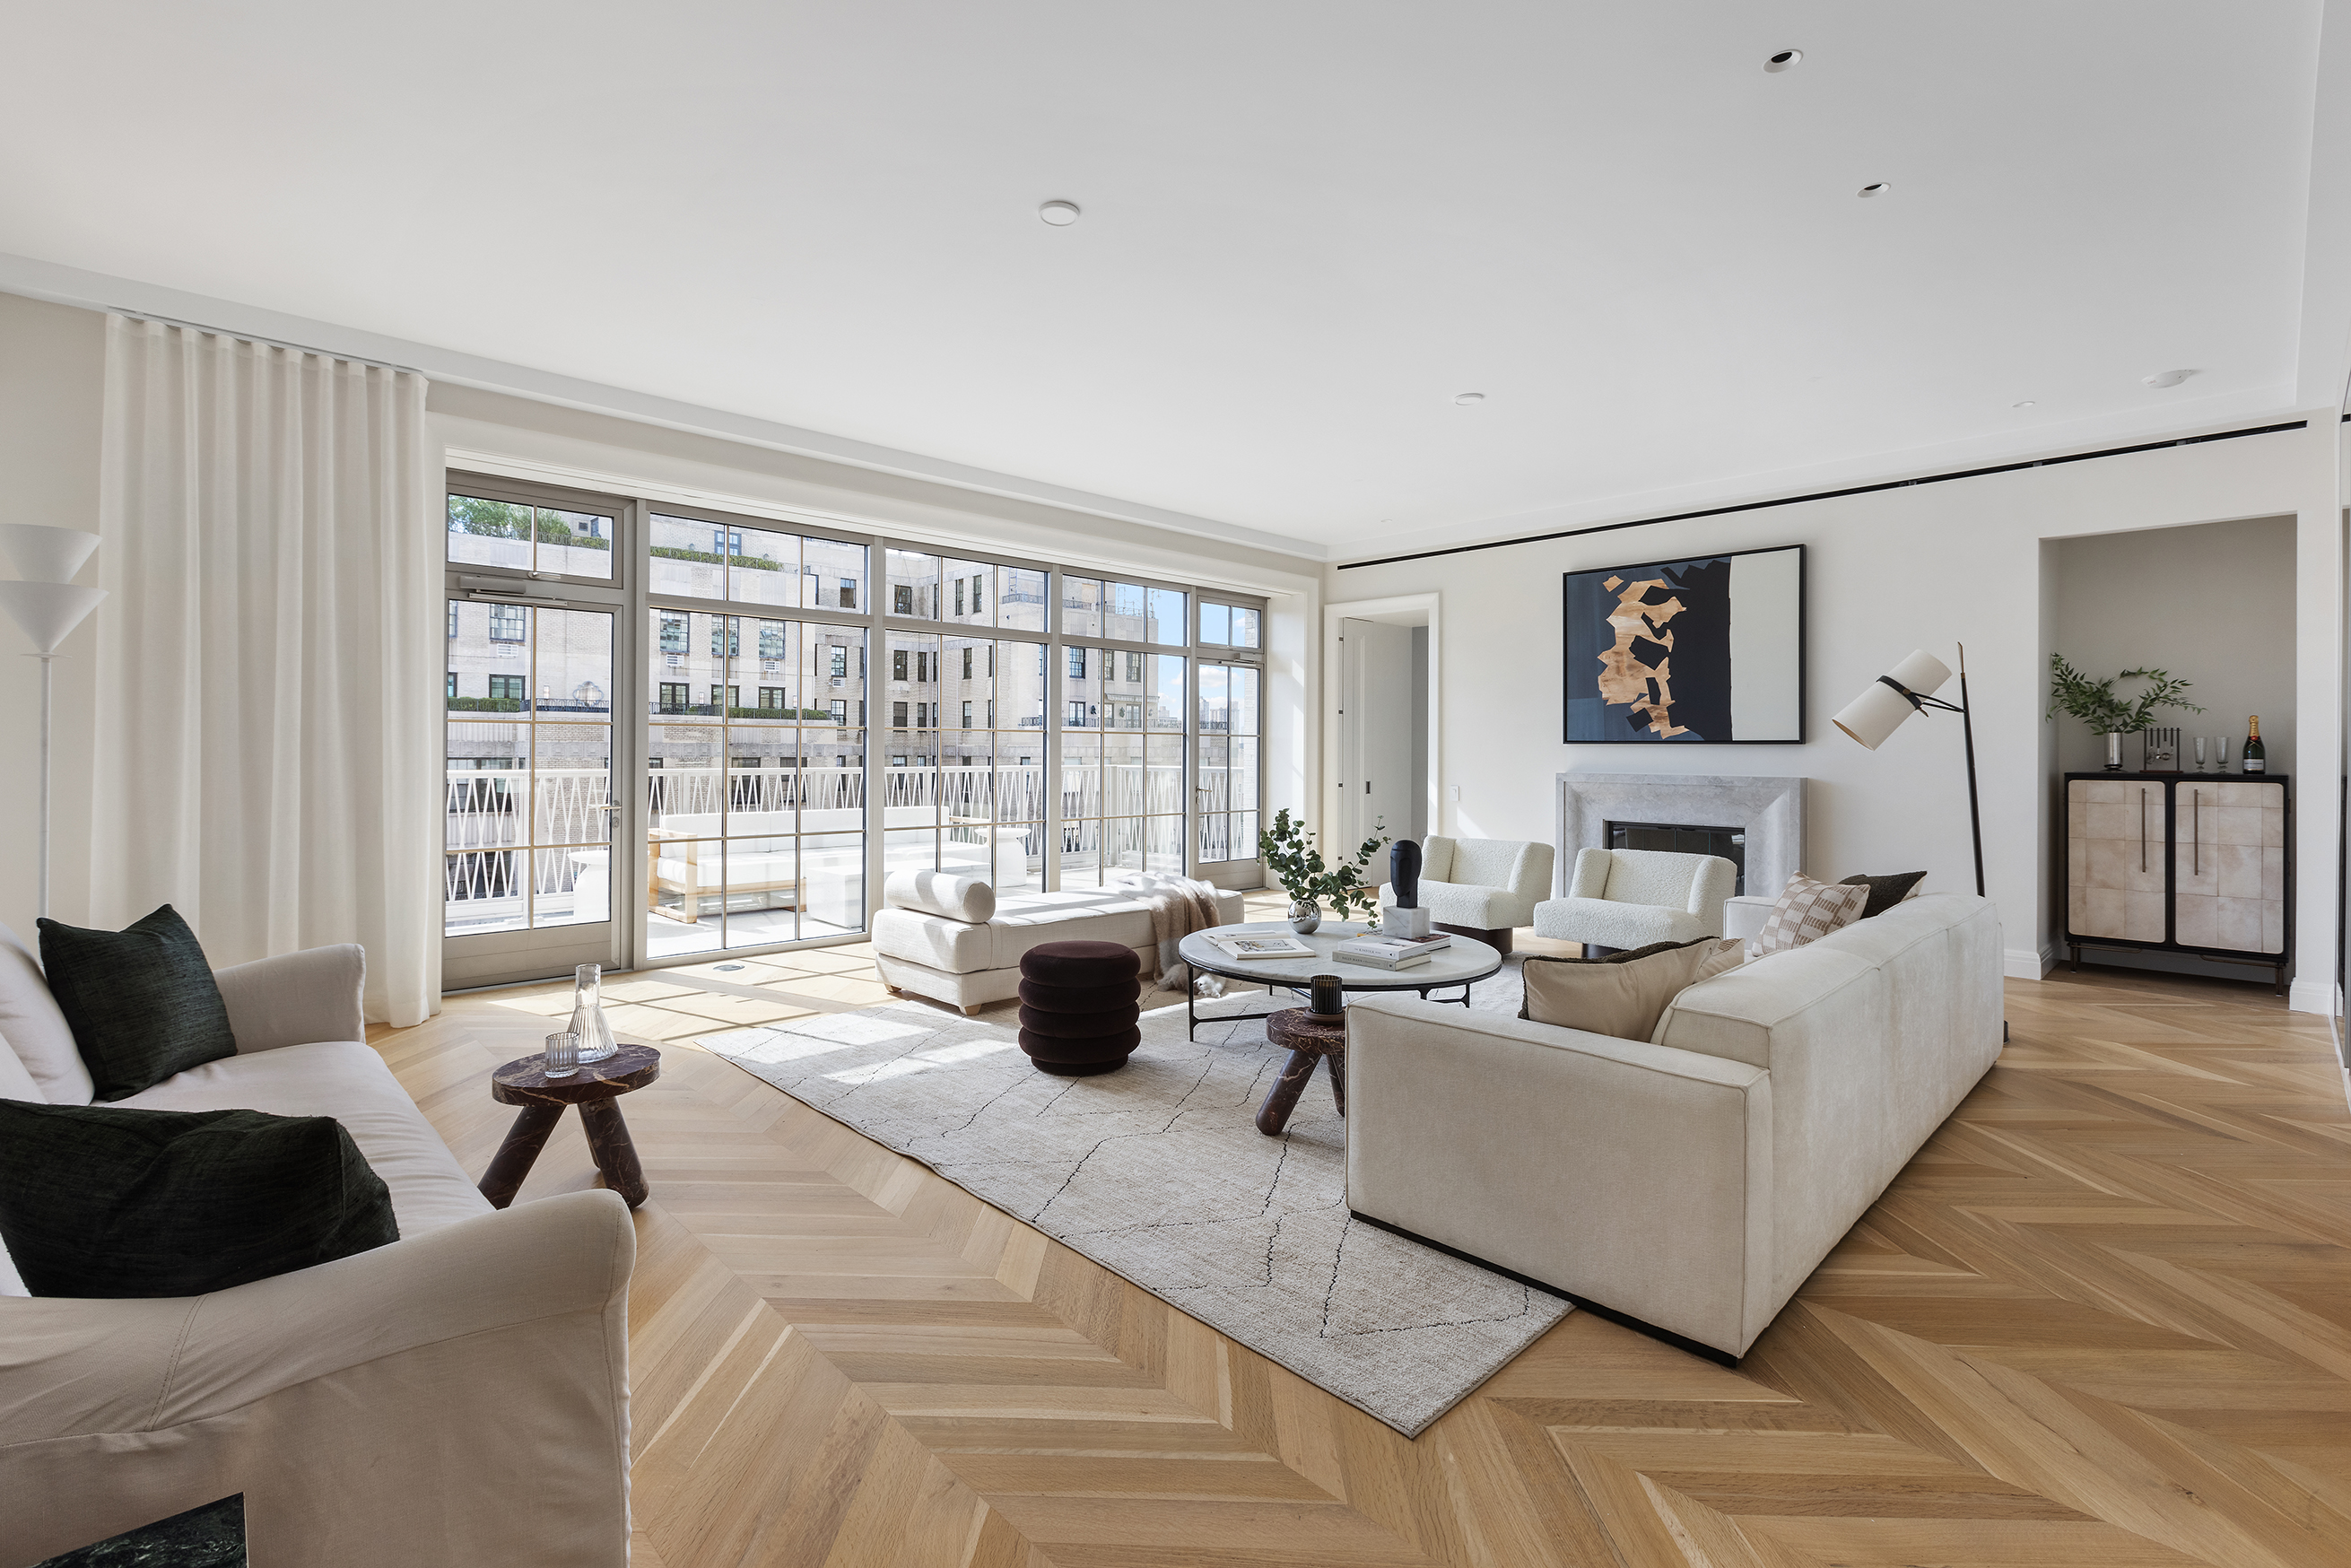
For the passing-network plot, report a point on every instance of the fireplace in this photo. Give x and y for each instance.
(1765, 817)
(1684, 838)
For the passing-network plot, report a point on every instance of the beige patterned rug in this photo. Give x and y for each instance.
(1158, 1173)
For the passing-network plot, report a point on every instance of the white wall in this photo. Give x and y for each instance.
(2212, 604)
(52, 378)
(1927, 566)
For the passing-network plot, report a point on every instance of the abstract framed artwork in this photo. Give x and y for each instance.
(1705, 651)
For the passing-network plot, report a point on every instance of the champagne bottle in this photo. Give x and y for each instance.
(2256, 759)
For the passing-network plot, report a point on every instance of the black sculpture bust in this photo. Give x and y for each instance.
(1404, 874)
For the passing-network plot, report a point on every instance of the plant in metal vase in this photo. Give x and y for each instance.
(1289, 850)
(2097, 703)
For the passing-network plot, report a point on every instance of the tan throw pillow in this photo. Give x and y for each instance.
(1623, 1000)
(1808, 911)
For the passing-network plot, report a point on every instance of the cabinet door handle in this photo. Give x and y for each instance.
(2142, 832)
(2196, 832)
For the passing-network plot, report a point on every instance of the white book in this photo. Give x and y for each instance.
(1263, 945)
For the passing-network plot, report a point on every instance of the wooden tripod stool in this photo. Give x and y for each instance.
(596, 1088)
(1309, 1038)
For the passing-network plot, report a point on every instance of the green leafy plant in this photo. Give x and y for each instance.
(2097, 703)
(1289, 850)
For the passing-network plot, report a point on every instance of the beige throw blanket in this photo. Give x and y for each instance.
(1180, 906)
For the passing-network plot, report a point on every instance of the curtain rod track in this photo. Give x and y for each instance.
(257, 338)
(1834, 495)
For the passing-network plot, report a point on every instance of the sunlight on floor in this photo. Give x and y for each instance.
(724, 991)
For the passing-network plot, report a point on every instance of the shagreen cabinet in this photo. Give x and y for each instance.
(2181, 862)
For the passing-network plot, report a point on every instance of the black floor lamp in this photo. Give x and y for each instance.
(1906, 689)
(1879, 711)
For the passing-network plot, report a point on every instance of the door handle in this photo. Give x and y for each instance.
(2142, 833)
(2196, 832)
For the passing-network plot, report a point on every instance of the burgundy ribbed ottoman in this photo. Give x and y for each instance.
(1078, 1006)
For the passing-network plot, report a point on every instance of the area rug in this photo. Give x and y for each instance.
(1158, 1173)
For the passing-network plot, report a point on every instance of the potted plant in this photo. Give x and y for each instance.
(1289, 852)
(2095, 704)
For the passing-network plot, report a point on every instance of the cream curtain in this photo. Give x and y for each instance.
(266, 669)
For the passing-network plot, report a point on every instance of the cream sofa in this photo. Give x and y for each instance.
(1693, 1180)
(968, 962)
(457, 1396)
(1484, 888)
(1630, 898)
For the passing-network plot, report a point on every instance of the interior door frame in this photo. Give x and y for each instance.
(1398, 610)
(622, 599)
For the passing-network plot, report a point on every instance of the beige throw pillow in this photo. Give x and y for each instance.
(1623, 1000)
(1808, 911)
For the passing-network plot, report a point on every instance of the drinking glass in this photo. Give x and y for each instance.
(562, 1055)
(2200, 754)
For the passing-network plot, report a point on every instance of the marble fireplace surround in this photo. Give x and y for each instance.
(1769, 811)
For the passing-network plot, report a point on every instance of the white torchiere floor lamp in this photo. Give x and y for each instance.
(47, 607)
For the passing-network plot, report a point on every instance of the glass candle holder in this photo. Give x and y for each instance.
(1323, 996)
(562, 1055)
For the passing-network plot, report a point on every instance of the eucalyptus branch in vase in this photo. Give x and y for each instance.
(2098, 705)
(1290, 852)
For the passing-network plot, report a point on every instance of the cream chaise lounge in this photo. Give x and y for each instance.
(1693, 1180)
(457, 1396)
(951, 940)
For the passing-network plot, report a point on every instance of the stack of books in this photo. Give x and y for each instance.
(1377, 952)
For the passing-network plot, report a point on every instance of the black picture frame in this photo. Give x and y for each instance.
(1595, 709)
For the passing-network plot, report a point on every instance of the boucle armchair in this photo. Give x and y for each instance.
(1481, 888)
(1630, 898)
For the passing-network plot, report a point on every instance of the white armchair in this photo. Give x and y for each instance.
(1630, 898)
(1481, 888)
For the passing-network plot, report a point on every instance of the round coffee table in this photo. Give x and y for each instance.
(1464, 963)
(596, 1088)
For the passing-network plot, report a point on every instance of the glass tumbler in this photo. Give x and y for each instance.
(562, 1055)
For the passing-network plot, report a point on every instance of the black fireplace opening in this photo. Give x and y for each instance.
(1685, 839)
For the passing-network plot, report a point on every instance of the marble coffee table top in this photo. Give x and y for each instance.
(1460, 963)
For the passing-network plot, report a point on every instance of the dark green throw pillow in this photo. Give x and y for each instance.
(141, 1002)
(103, 1201)
(1884, 892)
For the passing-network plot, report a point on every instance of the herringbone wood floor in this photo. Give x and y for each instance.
(2104, 1317)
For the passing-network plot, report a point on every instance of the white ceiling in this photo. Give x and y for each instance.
(1307, 225)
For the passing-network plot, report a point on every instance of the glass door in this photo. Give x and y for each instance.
(528, 809)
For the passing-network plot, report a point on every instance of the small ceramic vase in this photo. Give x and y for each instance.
(1305, 916)
(2114, 752)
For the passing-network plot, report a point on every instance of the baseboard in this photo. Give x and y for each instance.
(1720, 1358)
(2310, 997)
(2025, 964)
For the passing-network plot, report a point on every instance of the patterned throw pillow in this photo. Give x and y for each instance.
(1808, 911)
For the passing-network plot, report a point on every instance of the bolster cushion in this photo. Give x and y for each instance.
(965, 898)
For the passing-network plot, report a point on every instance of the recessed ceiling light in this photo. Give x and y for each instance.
(2167, 377)
(1877, 188)
(1782, 61)
(1469, 399)
(1060, 214)
(2026, 403)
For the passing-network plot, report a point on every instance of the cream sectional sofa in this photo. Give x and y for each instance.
(1693, 1180)
(971, 957)
(458, 1395)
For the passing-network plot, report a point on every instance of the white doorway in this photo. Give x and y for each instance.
(1380, 773)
